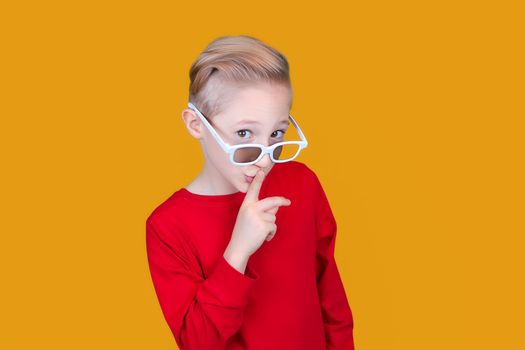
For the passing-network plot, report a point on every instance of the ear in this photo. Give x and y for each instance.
(193, 123)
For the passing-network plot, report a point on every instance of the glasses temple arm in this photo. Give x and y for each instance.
(299, 131)
(223, 144)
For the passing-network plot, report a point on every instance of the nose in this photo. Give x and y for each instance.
(264, 162)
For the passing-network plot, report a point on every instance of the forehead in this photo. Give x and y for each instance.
(259, 106)
(253, 122)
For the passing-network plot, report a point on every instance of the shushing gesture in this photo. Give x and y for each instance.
(255, 221)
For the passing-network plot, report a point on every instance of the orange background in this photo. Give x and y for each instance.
(413, 111)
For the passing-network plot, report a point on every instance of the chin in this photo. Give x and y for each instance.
(243, 187)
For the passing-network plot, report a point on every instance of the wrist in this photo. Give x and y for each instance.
(236, 260)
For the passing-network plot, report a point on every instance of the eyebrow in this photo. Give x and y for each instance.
(245, 122)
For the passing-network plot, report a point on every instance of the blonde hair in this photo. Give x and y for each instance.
(240, 59)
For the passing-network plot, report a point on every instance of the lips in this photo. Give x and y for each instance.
(248, 179)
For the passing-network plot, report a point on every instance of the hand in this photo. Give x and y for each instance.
(255, 220)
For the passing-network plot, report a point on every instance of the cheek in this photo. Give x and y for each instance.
(215, 150)
(221, 159)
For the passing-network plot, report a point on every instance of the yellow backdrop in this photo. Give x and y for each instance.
(413, 113)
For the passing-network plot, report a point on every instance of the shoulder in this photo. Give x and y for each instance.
(294, 168)
(301, 172)
(305, 177)
(295, 179)
(167, 215)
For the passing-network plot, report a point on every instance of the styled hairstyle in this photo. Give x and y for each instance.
(241, 60)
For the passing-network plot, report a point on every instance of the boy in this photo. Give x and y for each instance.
(243, 256)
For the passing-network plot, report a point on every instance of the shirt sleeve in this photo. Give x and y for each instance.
(337, 315)
(201, 313)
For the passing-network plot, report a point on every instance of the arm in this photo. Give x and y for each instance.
(337, 315)
(201, 313)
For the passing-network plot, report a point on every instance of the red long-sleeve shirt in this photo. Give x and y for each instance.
(291, 295)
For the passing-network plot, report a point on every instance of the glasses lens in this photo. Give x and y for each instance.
(249, 154)
(246, 154)
(285, 152)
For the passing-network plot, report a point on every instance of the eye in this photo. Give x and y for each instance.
(282, 131)
(242, 132)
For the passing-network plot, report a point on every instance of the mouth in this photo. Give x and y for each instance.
(248, 179)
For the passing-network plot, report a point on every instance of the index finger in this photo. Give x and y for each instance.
(252, 195)
(274, 202)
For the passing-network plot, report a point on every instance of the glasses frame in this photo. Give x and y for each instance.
(230, 150)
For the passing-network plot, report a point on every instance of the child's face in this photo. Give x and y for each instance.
(266, 104)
